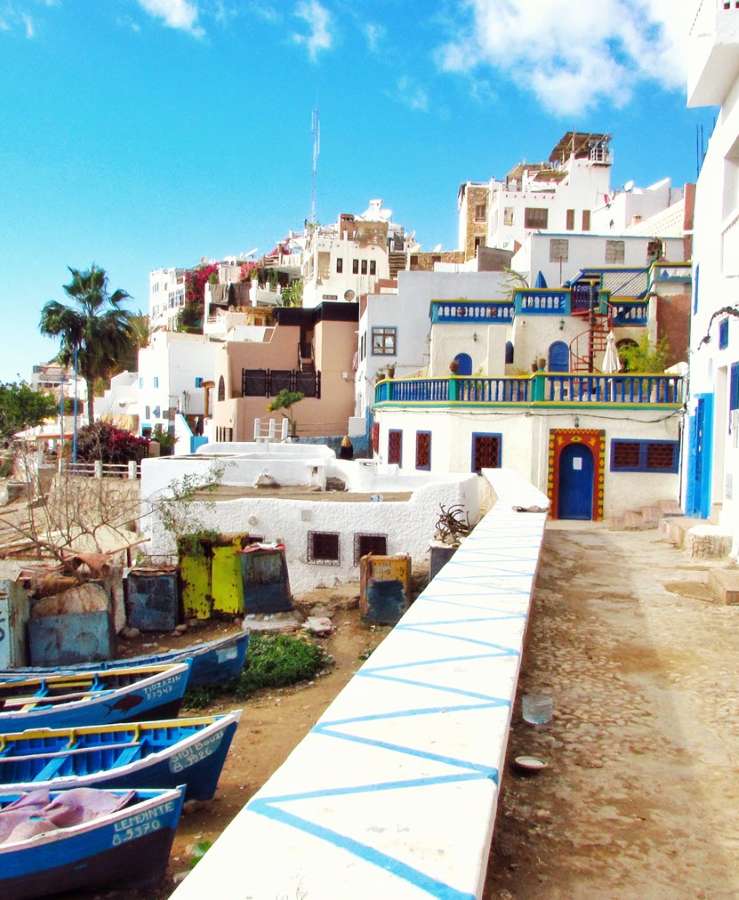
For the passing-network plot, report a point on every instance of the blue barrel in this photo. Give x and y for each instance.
(152, 599)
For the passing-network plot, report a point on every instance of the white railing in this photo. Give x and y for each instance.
(268, 431)
(97, 469)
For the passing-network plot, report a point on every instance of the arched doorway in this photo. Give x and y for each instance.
(559, 357)
(464, 364)
(221, 389)
(508, 353)
(575, 499)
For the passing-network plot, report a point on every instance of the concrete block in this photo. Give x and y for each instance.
(708, 542)
(724, 584)
(670, 508)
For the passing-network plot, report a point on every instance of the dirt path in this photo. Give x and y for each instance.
(641, 799)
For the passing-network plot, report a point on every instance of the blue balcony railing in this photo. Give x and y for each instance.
(542, 302)
(472, 311)
(625, 313)
(572, 388)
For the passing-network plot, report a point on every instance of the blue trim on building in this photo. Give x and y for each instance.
(643, 465)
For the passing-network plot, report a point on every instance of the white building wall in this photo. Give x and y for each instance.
(167, 373)
(627, 208)
(323, 281)
(166, 296)
(585, 251)
(525, 445)
(716, 271)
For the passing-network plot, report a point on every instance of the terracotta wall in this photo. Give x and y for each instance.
(673, 323)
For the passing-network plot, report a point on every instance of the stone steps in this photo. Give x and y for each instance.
(724, 585)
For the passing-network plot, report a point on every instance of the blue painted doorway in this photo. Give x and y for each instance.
(698, 502)
(575, 499)
(559, 357)
(464, 363)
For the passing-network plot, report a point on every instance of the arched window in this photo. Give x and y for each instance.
(464, 363)
(559, 357)
(508, 353)
(221, 388)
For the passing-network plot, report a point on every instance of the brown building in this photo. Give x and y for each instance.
(306, 350)
(472, 203)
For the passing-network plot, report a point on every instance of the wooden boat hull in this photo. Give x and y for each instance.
(213, 662)
(158, 696)
(195, 761)
(128, 846)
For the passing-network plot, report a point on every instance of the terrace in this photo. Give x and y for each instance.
(536, 390)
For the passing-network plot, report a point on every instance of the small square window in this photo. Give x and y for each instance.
(369, 543)
(559, 250)
(625, 455)
(323, 547)
(480, 212)
(536, 218)
(615, 252)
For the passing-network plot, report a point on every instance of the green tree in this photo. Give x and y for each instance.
(94, 326)
(141, 332)
(190, 319)
(645, 357)
(284, 402)
(292, 295)
(21, 407)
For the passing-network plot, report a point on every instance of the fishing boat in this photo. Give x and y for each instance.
(213, 662)
(84, 839)
(188, 751)
(99, 697)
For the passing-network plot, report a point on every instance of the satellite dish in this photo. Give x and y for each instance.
(629, 186)
(349, 295)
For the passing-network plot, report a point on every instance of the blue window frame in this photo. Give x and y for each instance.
(198, 381)
(733, 390)
(645, 456)
(155, 381)
(723, 333)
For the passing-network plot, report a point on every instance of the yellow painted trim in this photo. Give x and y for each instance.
(524, 404)
(76, 731)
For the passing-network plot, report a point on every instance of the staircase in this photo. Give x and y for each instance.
(396, 262)
(594, 339)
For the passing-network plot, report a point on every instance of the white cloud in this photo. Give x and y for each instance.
(28, 25)
(319, 22)
(13, 18)
(411, 94)
(573, 54)
(265, 12)
(375, 35)
(180, 14)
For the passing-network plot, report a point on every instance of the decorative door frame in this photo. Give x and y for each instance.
(595, 439)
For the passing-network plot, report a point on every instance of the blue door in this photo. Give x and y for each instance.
(575, 482)
(464, 363)
(698, 502)
(559, 357)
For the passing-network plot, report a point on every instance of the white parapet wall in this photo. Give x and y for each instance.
(394, 791)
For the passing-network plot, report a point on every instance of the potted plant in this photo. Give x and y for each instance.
(454, 367)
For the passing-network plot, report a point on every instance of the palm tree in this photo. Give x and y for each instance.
(94, 327)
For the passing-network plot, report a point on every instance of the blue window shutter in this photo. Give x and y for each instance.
(198, 381)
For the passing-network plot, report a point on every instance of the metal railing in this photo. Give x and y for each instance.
(269, 382)
(542, 387)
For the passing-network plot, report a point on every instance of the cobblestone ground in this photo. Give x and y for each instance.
(641, 797)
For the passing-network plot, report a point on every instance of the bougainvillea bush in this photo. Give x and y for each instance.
(105, 442)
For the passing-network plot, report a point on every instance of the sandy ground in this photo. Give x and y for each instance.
(641, 799)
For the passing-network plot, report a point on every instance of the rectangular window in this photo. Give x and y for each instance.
(155, 381)
(570, 219)
(339, 264)
(508, 215)
(373, 267)
(486, 451)
(645, 456)
(147, 412)
(198, 381)
(376, 437)
(363, 346)
(423, 450)
(384, 341)
(723, 333)
(395, 447)
(536, 218)
(615, 252)
(376, 544)
(586, 220)
(559, 250)
(480, 212)
(323, 547)
(364, 267)
(355, 267)
(733, 391)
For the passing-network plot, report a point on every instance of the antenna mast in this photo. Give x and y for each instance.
(316, 132)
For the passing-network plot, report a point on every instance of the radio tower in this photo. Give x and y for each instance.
(316, 131)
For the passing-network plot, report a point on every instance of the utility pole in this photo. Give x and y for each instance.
(316, 132)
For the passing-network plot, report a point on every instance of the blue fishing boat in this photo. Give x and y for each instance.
(100, 697)
(188, 751)
(129, 844)
(213, 662)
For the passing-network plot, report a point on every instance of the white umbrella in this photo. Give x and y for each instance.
(611, 362)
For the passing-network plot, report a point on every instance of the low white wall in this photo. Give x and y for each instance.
(265, 450)
(394, 791)
(409, 526)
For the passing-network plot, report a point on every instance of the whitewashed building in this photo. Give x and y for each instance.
(166, 296)
(712, 472)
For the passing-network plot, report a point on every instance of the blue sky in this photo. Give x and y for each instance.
(144, 133)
